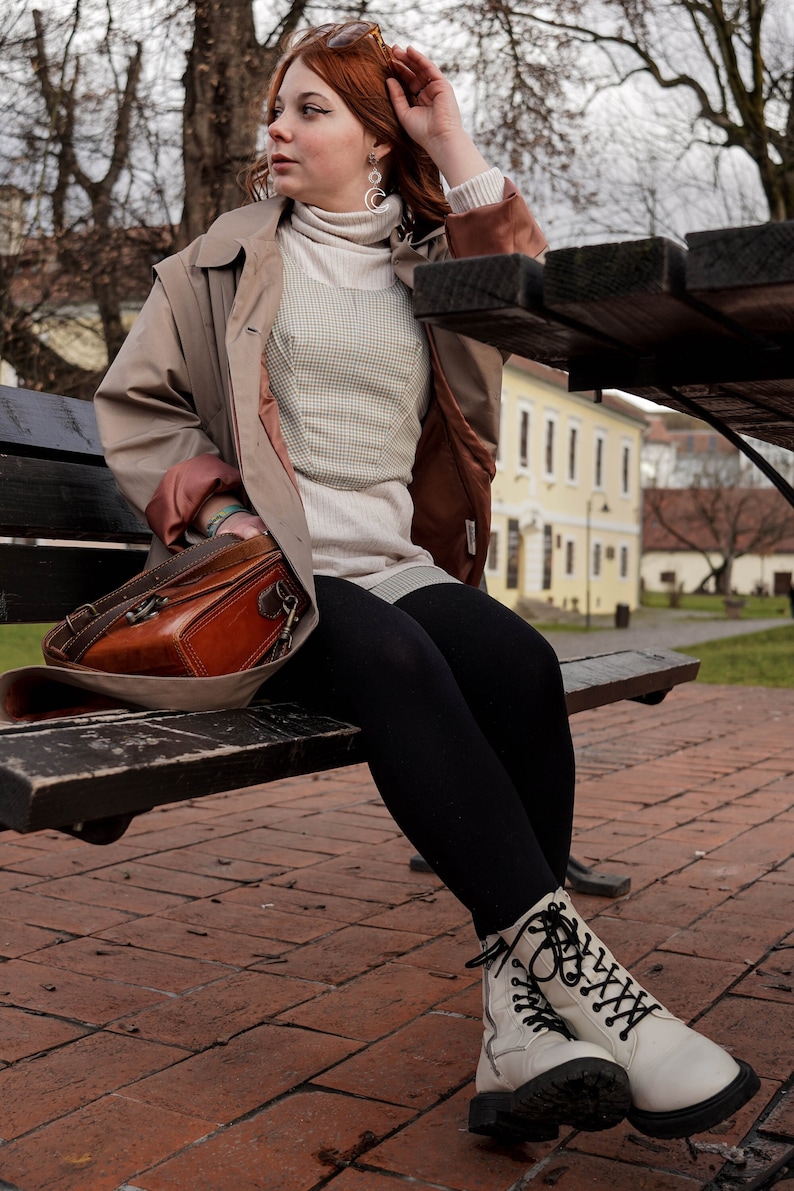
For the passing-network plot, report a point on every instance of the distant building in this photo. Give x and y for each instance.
(763, 538)
(682, 452)
(566, 497)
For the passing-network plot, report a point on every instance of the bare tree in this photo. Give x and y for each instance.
(730, 61)
(720, 523)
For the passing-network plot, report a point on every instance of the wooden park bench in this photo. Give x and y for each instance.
(89, 775)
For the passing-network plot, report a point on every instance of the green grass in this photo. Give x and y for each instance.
(20, 645)
(754, 607)
(758, 659)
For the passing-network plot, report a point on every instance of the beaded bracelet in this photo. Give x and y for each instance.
(220, 517)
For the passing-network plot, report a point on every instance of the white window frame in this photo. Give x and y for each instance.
(524, 409)
(550, 420)
(599, 481)
(574, 428)
(569, 556)
(626, 462)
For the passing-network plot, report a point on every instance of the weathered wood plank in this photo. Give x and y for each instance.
(45, 424)
(629, 674)
(41, 584)
(57, 773)
(54, 773)
(70, 500)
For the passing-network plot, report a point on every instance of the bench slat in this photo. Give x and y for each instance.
(54, 773)
(72, 500)
(42, 584)
(46, 425)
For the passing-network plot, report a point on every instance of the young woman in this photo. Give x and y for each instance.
(277, 383)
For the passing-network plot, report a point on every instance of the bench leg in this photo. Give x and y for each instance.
(581, 878)
(99, 831)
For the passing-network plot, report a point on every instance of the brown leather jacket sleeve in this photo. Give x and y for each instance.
(183, 490)
(510, 227)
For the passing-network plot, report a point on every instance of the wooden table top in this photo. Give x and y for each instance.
(707, 329)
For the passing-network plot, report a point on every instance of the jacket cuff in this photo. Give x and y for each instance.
(181, 493)
(502, 227)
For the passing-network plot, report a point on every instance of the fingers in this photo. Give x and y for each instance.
(244, 525)
(416, 72)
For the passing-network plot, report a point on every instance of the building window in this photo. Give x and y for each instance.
(624, 562)
(625, 470)
(595, 568)
(524, 427)
(573, 454)
(598, 460)
(569, 557)
(513, 553)
(548, 448)
(547, 554)
(492, 563)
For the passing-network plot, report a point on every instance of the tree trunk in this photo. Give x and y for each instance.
(225, 76)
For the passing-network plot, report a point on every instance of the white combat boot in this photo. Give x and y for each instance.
(532, 1074)
(681, 1082)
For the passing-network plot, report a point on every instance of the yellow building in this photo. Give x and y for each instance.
(567, 492)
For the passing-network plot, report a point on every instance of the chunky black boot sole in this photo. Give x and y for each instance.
(588, 1094)
(699, 1117)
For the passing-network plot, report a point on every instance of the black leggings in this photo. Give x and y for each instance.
(461, 707)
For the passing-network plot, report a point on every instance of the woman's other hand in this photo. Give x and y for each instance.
(433, 120)
(243, 525)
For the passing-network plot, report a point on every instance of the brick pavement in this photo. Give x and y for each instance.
(252, 992)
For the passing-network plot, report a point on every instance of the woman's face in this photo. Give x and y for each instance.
(316, 148)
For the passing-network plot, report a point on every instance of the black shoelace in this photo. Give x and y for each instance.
(541, 1016)
(629, 1002)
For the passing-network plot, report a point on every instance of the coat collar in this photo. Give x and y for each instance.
(240, 230)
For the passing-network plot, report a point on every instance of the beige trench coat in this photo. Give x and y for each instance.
(188, 398)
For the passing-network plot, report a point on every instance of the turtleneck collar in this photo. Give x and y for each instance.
(361, 229)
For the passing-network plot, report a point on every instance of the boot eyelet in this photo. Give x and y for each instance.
(598, 1007)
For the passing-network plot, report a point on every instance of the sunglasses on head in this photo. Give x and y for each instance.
(341, 37)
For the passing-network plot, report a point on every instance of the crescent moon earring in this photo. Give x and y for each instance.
(374, 195)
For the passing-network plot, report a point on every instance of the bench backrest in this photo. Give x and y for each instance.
(54, 485)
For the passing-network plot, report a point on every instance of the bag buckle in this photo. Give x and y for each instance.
(289, 603)
(146, 610)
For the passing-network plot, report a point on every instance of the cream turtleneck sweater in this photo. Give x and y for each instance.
(350, 369)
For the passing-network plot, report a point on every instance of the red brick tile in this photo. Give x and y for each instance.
(349, 952)
(374, 1004)
(438, 1149)
(198, 1019)
(167, 880)
(261, 920)
(291, 1146)
(625, 1144)
(577, 1172)
(37, 910)
(766, 899)
(712, 874)
(761, 843)
(224, 1083)
(13, 880)
(449, 952)
(189, 860)
(100, 1146)
(299, 901)
(17, 938)
(23, 1034)
(116, 896)
(57, 1083)
(366, 1180)
(199, 942)
(51, 990)
(760, 1034)
(468, 1001)
(131, 965)
(684, 984)
(197, 829)
(725, 932)
(334, 826)
(427, 915)
(780, 1122)
(79, 858)
(626, 938)
(264, 847)
(673, 904)
(415, 1066)
(300, 841)
(15, 853)
(772, 980)
(321, 878)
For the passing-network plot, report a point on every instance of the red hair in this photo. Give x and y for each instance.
(358, 73)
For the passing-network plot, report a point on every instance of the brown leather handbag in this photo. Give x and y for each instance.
(216, 608)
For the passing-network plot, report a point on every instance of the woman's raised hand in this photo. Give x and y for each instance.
(433, 120)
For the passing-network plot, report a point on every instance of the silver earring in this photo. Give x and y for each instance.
(374, 194)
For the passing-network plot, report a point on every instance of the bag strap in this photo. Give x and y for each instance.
(74, 635)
